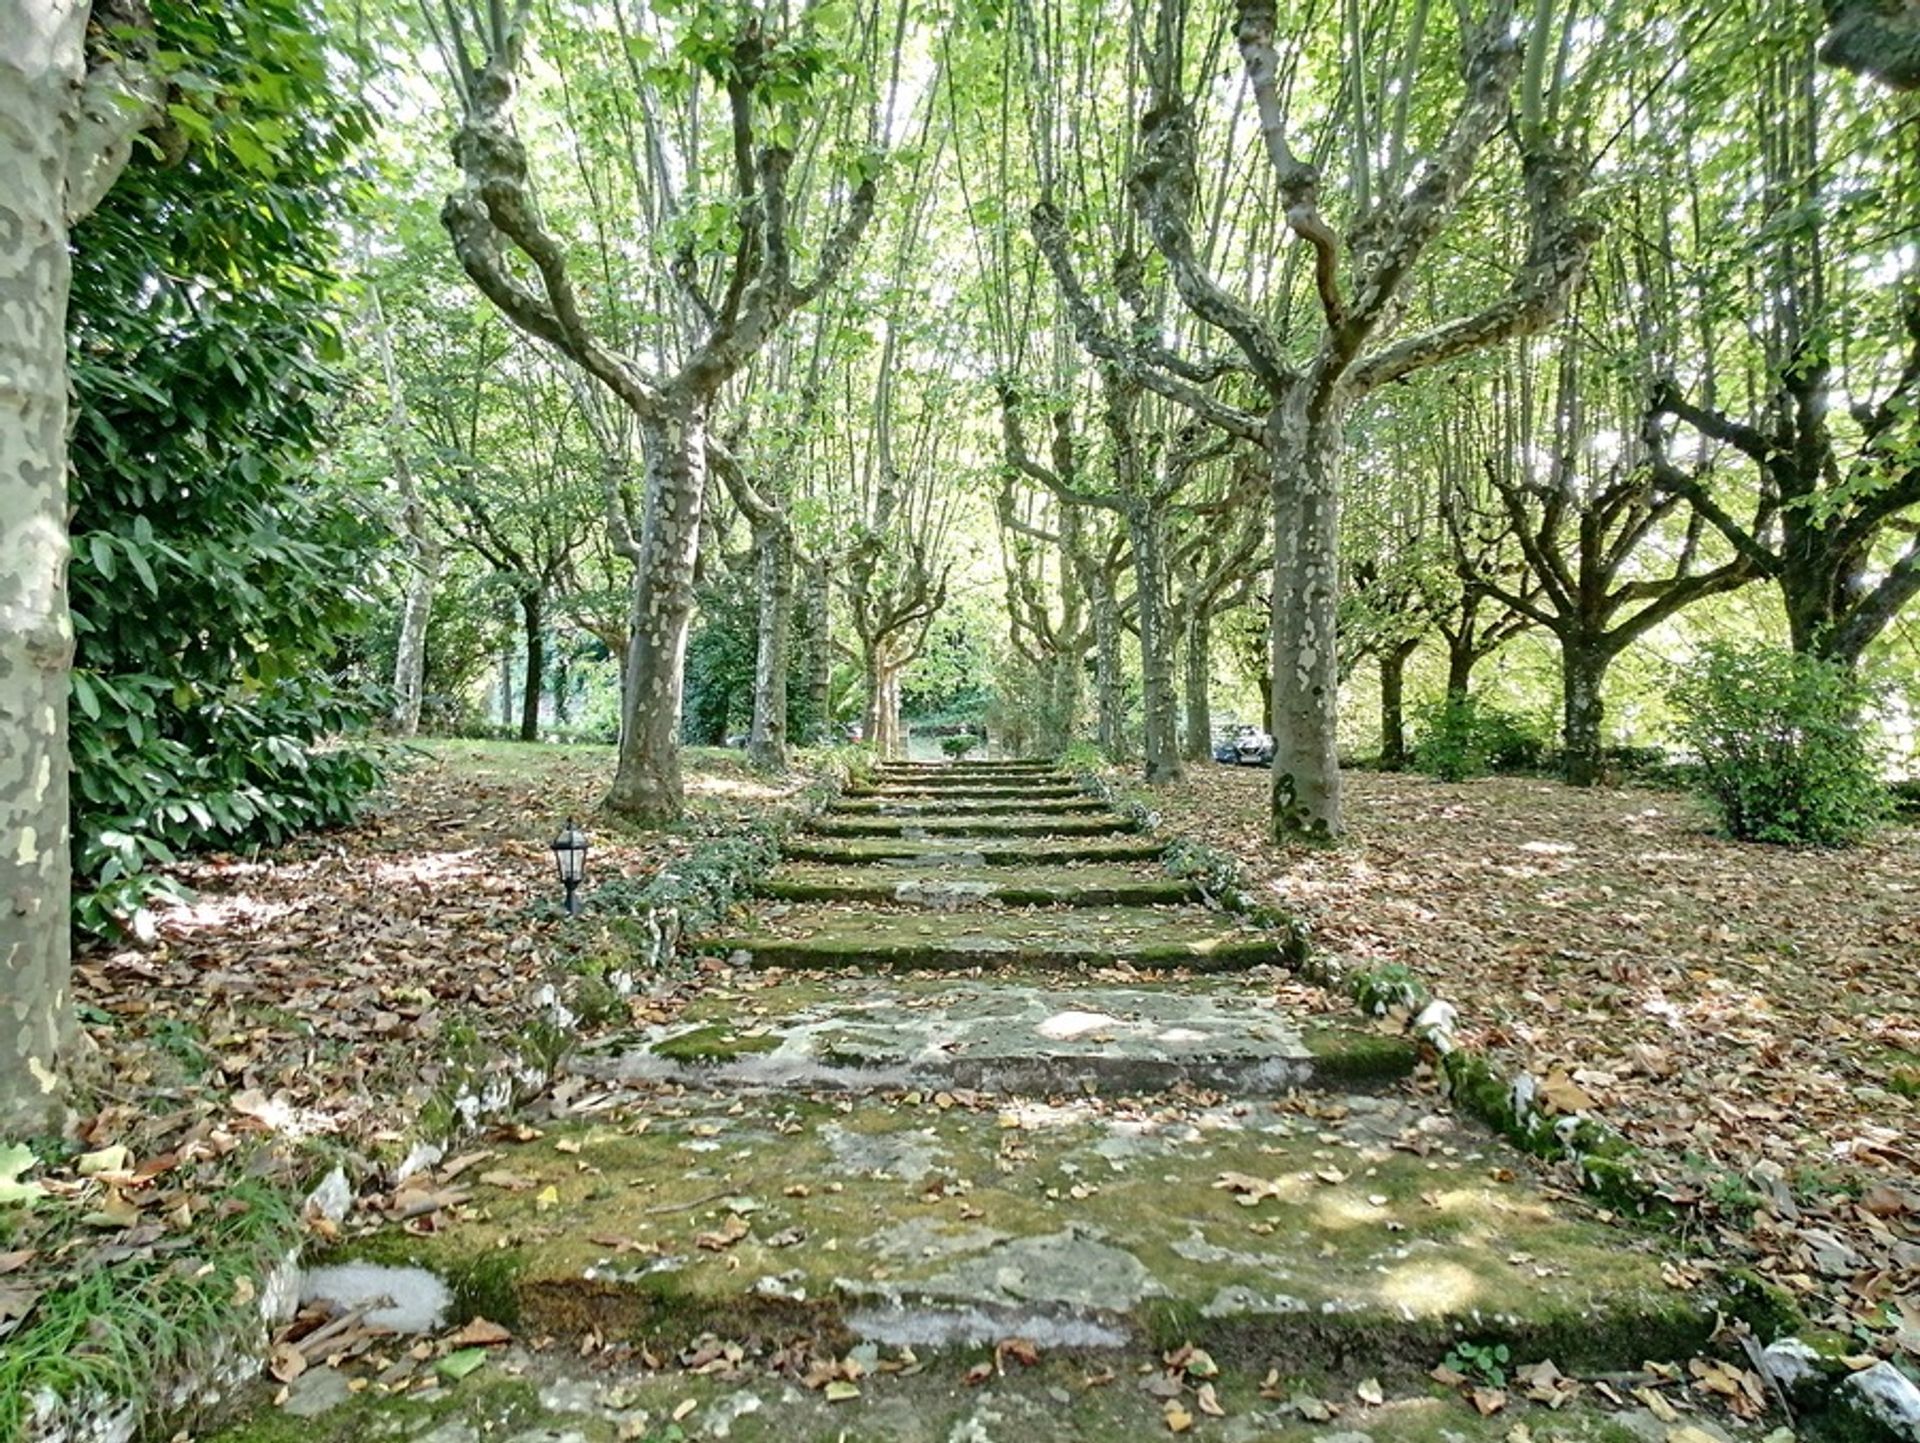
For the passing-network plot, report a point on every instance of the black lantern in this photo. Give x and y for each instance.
(570, 856)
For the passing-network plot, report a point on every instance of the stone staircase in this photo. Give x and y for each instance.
(978, 1068)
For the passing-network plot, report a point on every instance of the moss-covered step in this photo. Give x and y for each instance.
(820, 935)
(970, 777)
(958, 888)
(972, 852)
(992, 824)
(868, 1033)
(909, 791)
(734, 1391)
(1019, 804)
(1322, 1234)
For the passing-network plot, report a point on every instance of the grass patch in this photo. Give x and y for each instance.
(111, 1335)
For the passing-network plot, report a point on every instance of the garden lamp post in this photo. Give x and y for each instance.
(570, 856)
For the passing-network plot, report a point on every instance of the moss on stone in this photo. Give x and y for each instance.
(714, 1043)
(1351, 1056)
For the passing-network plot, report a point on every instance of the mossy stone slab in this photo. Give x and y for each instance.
(959, 888)
(1361, 1227)
(528, 1396)
(984, 790)
(1017, 804)
(935, 853)
(997, 824)
(807, 935)
(866, 1034)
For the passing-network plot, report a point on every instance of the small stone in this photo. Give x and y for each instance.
(316, 1391)
(1887, 1395)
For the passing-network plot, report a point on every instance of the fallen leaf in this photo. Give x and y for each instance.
(841, 1391)
(480, 1333)
(1178, 1419)
(456, 1366)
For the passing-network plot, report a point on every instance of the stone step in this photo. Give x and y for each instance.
(973, 852)
(912, 791)
(819, 935)
(996, 824)
(1015, 804)
(950, 776)
(1360, 1233)
(868, 1033)
(956, 888)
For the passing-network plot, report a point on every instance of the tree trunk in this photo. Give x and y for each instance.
(819, 649)
(1106, 671)
(882, 720)
(506, 687)
(533, 621)
(773, 574)
(1393, 710)
(64, 144)
(1462, 657)
(1305, 452)
(1199, 740)
(1159, 700)
(1583, 672)
(1064, 693)
(646, 782)
(410, 654)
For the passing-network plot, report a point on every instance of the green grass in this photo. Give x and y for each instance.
(111, 1334)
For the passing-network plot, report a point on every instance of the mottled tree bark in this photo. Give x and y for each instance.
(1110, 698)
(1306, 666)
(64, 136)
(1146, 528)
(773, 576)
(646, 783)
(1583, 675)
(1199, 677)
(819, 646)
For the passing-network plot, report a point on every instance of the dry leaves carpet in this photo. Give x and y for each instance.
(1748, 1015)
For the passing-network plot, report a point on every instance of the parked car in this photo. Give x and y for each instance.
(1243, 746)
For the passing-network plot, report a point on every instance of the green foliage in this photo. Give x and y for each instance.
(1480, 1362)
(1783, 752)
(1392, 986)
(958, 746)
(1078, 757)
(1461, 737)
(213, 576)
(116, 1334)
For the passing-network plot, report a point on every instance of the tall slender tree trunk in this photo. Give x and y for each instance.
(533, 627)
(882, 721)
(1462, 657)
(506, 687)
(646, 782)
(1067, 687)
(1159, 699)
(1305, 452)
(1583, 674)
(818, 600)
(1106, 671)
(773, 575)
(62, 142)
(410, 653)
(1199, 676)
(1393, 705)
